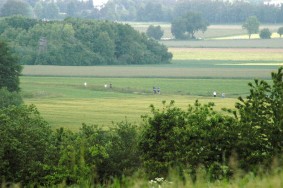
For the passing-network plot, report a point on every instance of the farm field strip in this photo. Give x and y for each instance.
(187, 63)
(71, 113)
(66, 102)
(183, 71)
(227, 54)
(225, 43)
(73, 87)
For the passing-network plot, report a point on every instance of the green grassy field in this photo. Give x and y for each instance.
(187, 63)
(65, 101)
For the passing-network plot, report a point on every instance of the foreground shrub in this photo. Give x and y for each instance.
(9, 98)
(25, 144)
(261, 122)
(198, 140)
(94, 154)
(174, 138)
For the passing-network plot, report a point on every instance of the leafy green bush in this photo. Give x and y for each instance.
(154, 32)
(122, 150)
(10, 69)
(25, 144)
(261, 122)
(265, 33)
(174, 138)
(187, 141)
(9, 98)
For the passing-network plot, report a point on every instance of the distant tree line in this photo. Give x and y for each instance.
(252, 26)
(145, 10)
(80, 42)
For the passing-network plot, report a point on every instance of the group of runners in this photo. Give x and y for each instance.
(215, 94)
(156, 90)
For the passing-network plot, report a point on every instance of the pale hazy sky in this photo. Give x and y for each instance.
(99, 2)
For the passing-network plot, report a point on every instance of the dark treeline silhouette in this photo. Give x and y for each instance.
(147, 10)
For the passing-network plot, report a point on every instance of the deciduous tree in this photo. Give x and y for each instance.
(280, 31)
(9, 98)
(187, 25)
(10, 69)
(16, 7)
(26, 144)
(261, 122)
(251, 25)
(155, 32)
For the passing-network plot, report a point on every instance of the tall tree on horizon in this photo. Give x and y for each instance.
(251, 25)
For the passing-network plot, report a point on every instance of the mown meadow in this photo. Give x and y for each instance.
(63, 99)
(66, 102)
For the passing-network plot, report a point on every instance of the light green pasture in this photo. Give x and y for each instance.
(227, 54)
(66, 102)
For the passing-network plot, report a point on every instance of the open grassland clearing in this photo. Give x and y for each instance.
(66, 102)
(71, 113)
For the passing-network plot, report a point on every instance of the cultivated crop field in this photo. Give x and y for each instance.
(226, 43)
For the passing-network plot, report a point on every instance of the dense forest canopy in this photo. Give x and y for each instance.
(220, 11)
(80, 42)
